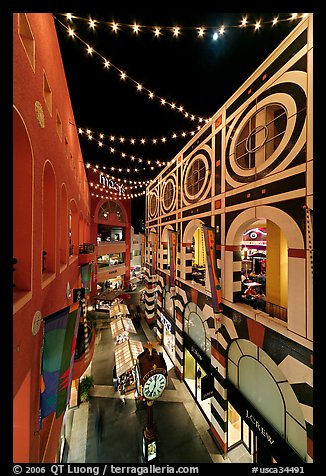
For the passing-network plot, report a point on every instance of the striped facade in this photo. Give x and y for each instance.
(229, 199)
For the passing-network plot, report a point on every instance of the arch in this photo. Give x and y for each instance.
(273, 397)
(168, 304)
(190, 229)
(296, 296)
(63, 224)
(165, 247)
(49, 213)
(196, 328)
(114, 219)
(279, 217)
(23, 180)
(73, 228)
(81, 228)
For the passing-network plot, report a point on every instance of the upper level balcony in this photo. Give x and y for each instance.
(111, 271)
(87, 253)
(110, 247)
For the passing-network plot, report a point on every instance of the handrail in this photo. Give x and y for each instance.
(273, 310)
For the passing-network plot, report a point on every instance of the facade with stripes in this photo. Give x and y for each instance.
(252, 162)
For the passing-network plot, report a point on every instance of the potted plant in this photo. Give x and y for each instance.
(84, 388)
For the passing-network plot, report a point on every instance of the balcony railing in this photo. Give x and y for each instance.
(86, 248)
(273, 310)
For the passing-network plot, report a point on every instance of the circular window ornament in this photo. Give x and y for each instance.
(196, 178)
(168, 195)
(282, 110)
(153, 202)
(36, 324)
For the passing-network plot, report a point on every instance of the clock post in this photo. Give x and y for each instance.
(149, 435)
(151, 378)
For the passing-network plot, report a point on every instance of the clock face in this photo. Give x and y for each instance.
(154, 386)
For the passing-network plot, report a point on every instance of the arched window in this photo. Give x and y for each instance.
(73, 229)
(167, 301)
(22, 205)
(195, 329)
(49, 220)
(63, 224)
(260, 381)
(110, 207)
(198, 257)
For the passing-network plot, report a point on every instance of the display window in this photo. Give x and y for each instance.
(169, 342)
(193, 373)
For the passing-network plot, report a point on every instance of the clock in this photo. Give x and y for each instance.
(151, 374)
(154, 385)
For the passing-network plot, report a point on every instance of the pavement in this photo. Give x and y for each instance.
(104, 430)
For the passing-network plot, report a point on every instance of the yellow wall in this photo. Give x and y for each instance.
(200, 251)
(276, 266)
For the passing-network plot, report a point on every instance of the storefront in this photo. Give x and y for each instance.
(264, 415)
(168, 335)
(196, 366)
(248, 427)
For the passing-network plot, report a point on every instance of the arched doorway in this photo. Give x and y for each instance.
(264, 415)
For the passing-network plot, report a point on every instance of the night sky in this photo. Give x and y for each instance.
(197, 73)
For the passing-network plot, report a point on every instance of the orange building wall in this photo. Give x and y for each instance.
(42, 144)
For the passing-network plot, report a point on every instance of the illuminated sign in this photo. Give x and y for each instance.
(107, 182)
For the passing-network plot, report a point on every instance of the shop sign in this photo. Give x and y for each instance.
(280, 450)
(197, 353)
(166, 323)
(207, 386)
(107, 182)
(258, 426)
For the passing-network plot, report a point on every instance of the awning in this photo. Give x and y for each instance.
(126, 355)
(118, 310)
(123, 324)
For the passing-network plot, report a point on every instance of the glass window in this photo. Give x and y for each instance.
(110, 207)
(260, 136)
(195, 177)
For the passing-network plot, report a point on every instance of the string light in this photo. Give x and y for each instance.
(150, 163)
(139, 183)
(124, 76)
(141, 141)
(177, 30)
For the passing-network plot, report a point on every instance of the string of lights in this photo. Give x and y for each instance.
(110, 187)
(137, 141)
(125, 77)
(145, 163)
(176, 31)
(139, 183)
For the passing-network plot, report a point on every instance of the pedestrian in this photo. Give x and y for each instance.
(99, 425)
(115, 378)
(122, 392)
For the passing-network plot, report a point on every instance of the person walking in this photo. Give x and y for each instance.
(122, 392)
(115, 378)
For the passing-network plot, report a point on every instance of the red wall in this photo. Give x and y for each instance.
(41, 144)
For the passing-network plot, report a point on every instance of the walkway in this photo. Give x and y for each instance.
(106, 431)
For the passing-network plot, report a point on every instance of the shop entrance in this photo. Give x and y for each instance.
(249, 445)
